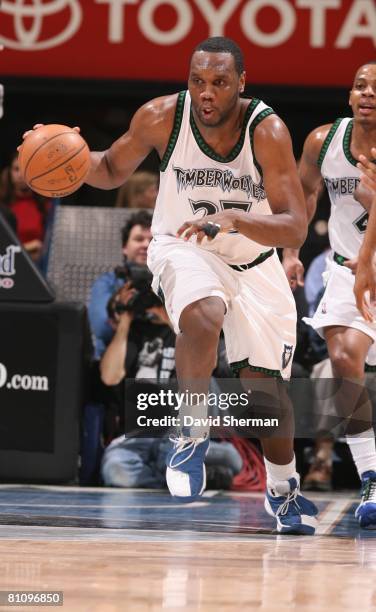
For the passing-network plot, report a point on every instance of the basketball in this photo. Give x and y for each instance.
(54, 160)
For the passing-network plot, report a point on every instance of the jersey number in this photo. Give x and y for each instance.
(210, 208)
(361, 222)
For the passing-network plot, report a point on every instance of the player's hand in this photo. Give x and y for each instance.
(220, 222)
(352, 264)
(294, 271)
(368, 169)
(365, 288)
(36, 127)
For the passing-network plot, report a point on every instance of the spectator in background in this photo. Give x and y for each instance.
(29, 208)
(136, 236)
(101, 408)
(139, 191)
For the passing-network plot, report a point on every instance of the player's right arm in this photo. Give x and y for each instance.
(149, 129)
(311, 180)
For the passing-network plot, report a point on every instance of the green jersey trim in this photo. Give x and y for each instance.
(257, 120)
(346, 143)
(244, 363)
(205, 148)
(327, 141)
(175, 131)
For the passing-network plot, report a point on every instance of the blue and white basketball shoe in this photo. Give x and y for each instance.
(186, 474)
(294, 513)
(366, 511)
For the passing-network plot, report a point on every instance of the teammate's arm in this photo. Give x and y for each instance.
(365, 279)
(364, 196)
(311, 180)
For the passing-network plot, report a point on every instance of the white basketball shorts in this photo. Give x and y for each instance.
(260, 320)
(338, 307)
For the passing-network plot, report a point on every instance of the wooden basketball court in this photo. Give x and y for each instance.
(117, 549)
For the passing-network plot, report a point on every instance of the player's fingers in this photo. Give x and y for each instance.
(362, 306)
(77, 129)
(38, 125)
(366, 312)
(26, 134)
(352, 264)
(183, 228)
(191, 231)
(372, 295)
(201, 235)
(300, 276)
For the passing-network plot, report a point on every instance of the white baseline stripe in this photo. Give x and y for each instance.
(331, 515)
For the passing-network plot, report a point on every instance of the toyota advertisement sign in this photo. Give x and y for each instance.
(296, 42)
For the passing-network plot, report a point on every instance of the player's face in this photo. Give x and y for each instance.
(363, 94)
(136, 248)
(214, 85)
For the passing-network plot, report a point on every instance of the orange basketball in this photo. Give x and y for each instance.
(54, 160)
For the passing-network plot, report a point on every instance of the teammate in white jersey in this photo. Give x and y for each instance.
(331, 153)
(227, 159)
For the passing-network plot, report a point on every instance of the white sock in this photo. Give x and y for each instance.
(275, 473)
(198, 428)
(363, 450)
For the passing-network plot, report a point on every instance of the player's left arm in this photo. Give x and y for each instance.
(287, 226)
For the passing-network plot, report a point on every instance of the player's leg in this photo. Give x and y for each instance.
(348, 349)
(196, 344)
(195, 299)
(195, 355)
(294, 513)
(260, 333)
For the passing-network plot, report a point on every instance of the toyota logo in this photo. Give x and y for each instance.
(27, 39)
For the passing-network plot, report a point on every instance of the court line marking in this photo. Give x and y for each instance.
(197, 504)
(334, 512)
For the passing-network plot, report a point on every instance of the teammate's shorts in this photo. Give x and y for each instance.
(260, 320)
(338, 307)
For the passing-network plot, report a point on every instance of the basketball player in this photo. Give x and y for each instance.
(228, 161)
(330, 154)
(365, 278)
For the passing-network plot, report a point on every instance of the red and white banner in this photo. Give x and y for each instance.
(292, 42)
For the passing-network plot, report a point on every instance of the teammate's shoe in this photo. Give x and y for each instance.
(366, 511)
(186, 475)
(294, 513)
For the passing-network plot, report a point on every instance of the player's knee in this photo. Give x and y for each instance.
(203, 321)
(346, 364)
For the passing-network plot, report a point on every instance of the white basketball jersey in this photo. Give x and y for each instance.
(348, 219)
(196, 181)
